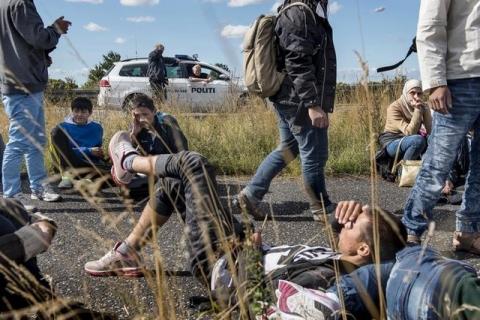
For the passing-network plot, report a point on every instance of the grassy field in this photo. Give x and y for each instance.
(237, 139)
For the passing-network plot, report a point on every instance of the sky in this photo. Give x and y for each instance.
(381, 31)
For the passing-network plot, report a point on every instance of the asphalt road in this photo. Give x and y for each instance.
(88, 230)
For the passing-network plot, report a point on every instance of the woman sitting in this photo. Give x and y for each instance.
(408, 123)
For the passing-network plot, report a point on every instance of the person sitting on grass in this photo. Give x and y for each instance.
(189, 187)
(152, 132)
(77, 143)
(407, 125)
(24, 292)
(198, 76)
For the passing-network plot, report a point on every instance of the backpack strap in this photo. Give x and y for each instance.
(299, 4)
(413, 48)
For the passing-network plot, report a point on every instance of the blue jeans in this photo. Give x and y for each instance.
(26, 138)
(415, 286)
(308, 141)
(448, 132)
(425, 285)
(2, 150)
(411, 148)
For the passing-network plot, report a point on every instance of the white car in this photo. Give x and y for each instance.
(129, 77)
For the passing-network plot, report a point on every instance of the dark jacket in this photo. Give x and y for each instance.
(167, 138)
(156, 72)
(25, 43)
(307, 54)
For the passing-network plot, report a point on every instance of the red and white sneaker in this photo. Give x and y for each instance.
(120, 146)
(296, 302)
(114, 263)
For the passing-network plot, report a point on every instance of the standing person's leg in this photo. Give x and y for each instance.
(272, 165)
(467, 235)
(2, 150)
(313, 145)
(447, 134)
(16, 110)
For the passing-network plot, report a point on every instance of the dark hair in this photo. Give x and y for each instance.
(142, 101)
(82, 103)
(392, 234)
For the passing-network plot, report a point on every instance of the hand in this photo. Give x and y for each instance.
(49, 60)
(45, 230)
(440, 99)
(348, 211)
(418, 105)
(319, 117)
(448, 188)
(97, 152)
(61, 26)
(256, 239)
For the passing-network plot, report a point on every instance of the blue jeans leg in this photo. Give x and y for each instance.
(468, 216)
(26, 137)
(286, 151)
(411, 149)
(447, 135)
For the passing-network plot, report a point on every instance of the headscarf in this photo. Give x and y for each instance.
(409, 85)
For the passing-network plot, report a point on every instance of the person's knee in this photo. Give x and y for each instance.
(193, 161)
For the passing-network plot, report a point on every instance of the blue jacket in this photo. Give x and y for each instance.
(83, 137)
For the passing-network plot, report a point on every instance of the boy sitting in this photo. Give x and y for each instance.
(77, 142)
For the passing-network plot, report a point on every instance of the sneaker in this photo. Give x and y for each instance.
(65, 183)
(47, 194)
(119, 147)
(26, 203)
(317, 211)
(115, 263)
(466, 241)
(245, 204)
(296, 302)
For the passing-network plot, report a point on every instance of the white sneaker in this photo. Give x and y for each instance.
(119, 147)
(47, 194)
(296, 302)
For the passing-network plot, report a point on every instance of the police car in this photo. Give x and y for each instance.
(129, 77)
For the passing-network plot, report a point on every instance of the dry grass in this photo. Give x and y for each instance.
(236, 141)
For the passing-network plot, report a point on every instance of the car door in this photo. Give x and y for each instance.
(133, 79)
(207, 93)
(177, 87)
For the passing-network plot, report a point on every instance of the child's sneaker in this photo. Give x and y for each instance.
(119, 147)
(115, 263)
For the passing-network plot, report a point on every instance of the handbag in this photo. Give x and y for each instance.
(409, 169)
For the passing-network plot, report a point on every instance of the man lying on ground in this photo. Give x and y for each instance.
(24, 292)
(189, 187)
(77, 143)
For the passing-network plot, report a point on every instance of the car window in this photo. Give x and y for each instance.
(174, 71)
(206, 72)
(134, 70)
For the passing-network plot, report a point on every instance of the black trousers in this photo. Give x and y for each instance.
(188, 185)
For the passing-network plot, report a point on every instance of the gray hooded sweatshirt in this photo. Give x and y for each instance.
(24, 45)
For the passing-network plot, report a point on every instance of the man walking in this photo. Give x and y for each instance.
(24, 47)
(305, 97)
(157, 72)
(449, 57)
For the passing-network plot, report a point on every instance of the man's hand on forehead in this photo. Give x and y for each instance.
(348, 211)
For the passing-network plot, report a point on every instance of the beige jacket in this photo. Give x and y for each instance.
(448, 41)
(403, 119)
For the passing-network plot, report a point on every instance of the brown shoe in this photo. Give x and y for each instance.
(466, 241)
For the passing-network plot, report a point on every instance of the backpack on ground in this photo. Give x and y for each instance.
(260, 53)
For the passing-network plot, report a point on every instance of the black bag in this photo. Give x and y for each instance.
(384, 165)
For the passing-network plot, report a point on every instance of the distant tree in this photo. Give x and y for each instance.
(223, 66)
(59, 84)
(100, 69)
